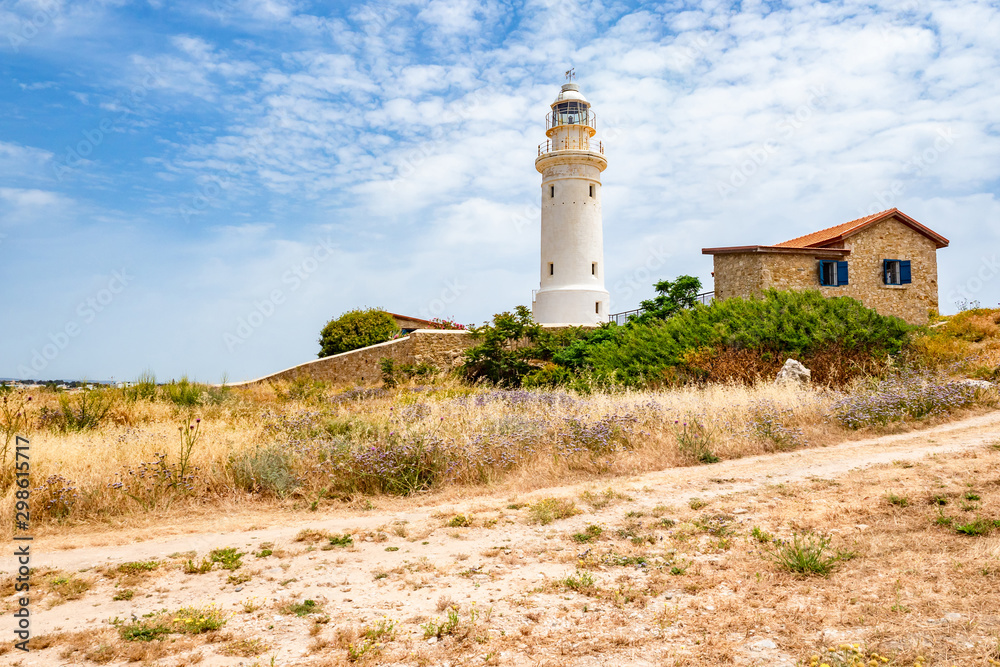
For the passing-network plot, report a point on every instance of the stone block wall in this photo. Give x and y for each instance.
(738, 274)
(442, 349)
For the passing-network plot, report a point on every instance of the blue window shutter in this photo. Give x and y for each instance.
(905, 276)
(885, 271)
(821, 265)
(841, 273)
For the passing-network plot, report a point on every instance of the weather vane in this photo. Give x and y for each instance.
(571, 74)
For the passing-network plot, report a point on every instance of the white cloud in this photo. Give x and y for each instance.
(18, 161)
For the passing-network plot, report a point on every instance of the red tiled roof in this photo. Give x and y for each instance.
(840, 232)
(429, 324)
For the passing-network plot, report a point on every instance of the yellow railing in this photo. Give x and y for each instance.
(550, 146)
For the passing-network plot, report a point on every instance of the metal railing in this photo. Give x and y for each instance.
(704, 298)
(622, 318)
(588, 118)
(549, 146)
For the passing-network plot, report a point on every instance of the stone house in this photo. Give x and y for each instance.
(887, 261)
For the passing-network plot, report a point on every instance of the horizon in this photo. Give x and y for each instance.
(196, 191)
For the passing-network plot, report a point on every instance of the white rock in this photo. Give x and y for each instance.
(795, 372)
(975, 384)
(953, 617)
(764, 645)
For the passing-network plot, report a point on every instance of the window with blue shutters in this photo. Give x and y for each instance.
(896, 271)
(833, 273)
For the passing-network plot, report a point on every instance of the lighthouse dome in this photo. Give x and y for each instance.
(570, 92)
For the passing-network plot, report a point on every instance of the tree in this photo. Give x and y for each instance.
(355, 329)
(507, 345)
(672, 297)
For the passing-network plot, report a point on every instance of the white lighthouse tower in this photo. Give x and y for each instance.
(570, 162)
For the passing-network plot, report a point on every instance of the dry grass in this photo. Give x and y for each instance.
(970, 340)
(547, 437)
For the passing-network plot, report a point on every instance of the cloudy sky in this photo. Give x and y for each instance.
(196, 187)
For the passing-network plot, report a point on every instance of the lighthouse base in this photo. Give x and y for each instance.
(575, 307)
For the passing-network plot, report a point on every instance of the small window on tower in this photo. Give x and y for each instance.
(552, 191)
(593, 268)
(597, 307)
(591, 189)
(552, 269)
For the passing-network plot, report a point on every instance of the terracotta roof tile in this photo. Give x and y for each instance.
(835, 232)
(839, 232)
(825, 237)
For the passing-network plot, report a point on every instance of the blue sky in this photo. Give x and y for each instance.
(197, 187)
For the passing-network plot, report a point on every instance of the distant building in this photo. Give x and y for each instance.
(887, 261)
(409, 324)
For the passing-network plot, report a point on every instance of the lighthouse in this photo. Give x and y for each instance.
(572, 259)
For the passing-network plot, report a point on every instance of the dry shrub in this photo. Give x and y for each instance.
(974, 325)
(832, 366)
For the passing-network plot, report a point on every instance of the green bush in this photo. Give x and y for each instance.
(84, 410)
(143, 389)
(547, 510)
(771, 327)
(264, 470)
(671, 298)
(501, 357)
(806, 554)
(355, 329)
(393, 373)
(186, 394)
(183, 393)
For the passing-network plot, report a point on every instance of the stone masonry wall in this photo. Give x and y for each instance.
(744, 274)
(361, 367)
(893, 240)
(737, 275)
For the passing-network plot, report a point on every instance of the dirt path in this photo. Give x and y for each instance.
(412, 566)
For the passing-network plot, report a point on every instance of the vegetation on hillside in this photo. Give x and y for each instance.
(355, 329)
(678, 340)
(968, 342)
(650, 400)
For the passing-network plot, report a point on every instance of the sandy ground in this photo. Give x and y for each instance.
(505, 575)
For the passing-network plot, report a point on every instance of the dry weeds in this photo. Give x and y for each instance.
(77, 471)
